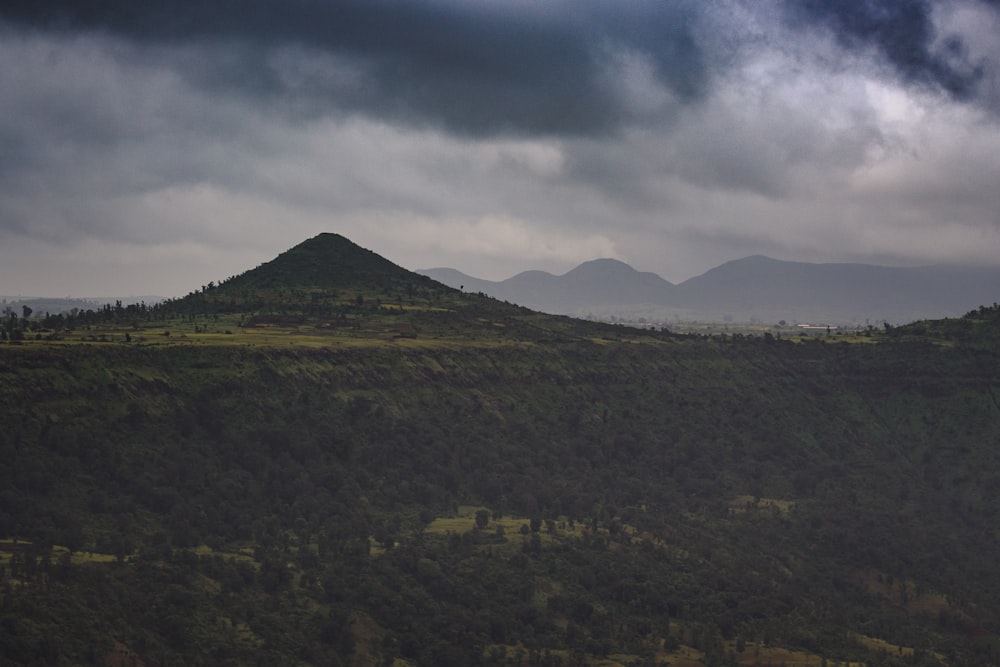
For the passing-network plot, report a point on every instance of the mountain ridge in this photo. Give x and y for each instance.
(753, 288)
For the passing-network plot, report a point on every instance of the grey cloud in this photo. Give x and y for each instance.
(473, 67)
(87, 125)
(481, 69)
(903, 33)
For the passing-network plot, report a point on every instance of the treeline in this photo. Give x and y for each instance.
(48, 326)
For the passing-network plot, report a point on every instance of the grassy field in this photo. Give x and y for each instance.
(262, 336)
(8, 548)
(310, 336)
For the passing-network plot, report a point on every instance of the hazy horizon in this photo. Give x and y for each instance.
(135, 297)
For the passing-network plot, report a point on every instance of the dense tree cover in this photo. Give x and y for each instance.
(269, 507)
(631, 492)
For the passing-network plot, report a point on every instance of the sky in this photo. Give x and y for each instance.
(147, 148)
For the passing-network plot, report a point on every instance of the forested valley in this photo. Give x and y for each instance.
(448, 480)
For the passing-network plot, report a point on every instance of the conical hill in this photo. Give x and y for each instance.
(326, 261)
(330, 286)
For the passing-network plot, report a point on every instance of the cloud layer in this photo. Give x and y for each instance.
(192, 140)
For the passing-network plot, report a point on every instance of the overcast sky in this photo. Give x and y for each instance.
(151, 147)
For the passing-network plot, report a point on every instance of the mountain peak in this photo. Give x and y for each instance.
(615, 276)
(326, 260)
(604, 266)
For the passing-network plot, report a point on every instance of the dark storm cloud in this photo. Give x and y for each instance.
(474, 67)
(901, 32)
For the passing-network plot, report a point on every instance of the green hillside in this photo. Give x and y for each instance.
(491, 486)
(325, 291)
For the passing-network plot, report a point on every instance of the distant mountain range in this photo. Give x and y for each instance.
(753, 289)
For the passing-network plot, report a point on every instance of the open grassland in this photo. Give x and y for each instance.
(755, 654)
(883, 646)
(316, 337)
(59, 554)
(10, 550)
(414, 327)
(271, 336)
(512, 526)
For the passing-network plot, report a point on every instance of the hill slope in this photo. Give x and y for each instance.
(328, 286)
(327, 260)
(563, 499)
